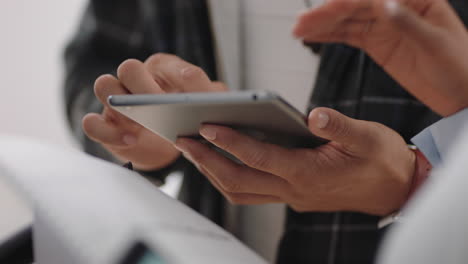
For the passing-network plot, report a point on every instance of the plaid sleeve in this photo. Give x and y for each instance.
(363, 91)
(109, 33)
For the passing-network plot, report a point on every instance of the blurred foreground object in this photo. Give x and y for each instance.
(435, 225)
(90, 211)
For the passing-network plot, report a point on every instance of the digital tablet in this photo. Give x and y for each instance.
(263, 115)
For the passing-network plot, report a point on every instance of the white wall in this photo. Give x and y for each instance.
(32, 35)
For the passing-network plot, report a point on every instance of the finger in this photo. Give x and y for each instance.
(413, 25)
(177, 75)
(104, 132)
(240, 198)
(219, 86)
(330, 15)
(352, 32)
(136, 78)
(107, 85)
(209, 176)
(334, 126)
(255, 154)
(232, 177)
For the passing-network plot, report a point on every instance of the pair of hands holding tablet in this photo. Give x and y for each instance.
(366, 167)
(335, 176)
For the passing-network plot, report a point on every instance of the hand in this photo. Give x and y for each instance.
(127, 140)
(366, 167)
(421, 43)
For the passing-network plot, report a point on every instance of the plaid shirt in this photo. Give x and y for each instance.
(114, 30)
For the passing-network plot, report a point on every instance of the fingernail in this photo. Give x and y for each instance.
(129, 140)
(323, 120)
(392, 7)
(181, 147)
(208, 133)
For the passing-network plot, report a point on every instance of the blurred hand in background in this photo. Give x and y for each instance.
(421, 43)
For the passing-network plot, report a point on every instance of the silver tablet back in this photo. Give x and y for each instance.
(263, 115)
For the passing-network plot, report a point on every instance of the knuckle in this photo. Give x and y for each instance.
(111, 116)
(236, 199)
(257, 159)
(155, 58)
(227, 139)
(230, 185)
(299, 165)
(127, 68)
(301, 183)
(193, 72)
(102, 82)
(340, 128)
(159, 58)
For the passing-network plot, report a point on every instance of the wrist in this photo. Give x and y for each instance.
(422, 169)
(421, 172)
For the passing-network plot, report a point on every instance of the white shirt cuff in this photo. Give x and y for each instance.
(437, 140)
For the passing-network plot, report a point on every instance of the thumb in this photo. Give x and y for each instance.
(334, 126)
